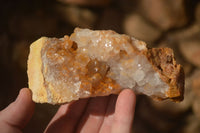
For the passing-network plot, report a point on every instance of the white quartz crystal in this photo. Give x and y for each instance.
(131, 70)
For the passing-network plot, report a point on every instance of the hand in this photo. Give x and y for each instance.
(108, 114)
(14, 118)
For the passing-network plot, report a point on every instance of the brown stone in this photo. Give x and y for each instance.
(196, 90)
(191, 32)
(191, 51)
(196, 82)
(196, 107)
(165, 14)
(136, 26)
(76, 16)
(192, 125)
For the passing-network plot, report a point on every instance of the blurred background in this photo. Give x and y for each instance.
(160, 23)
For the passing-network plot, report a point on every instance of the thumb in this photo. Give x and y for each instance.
(18, 113)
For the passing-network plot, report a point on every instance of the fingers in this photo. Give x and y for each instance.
(93, 116)
(18, 113)
(67, 117)
(98, 114)
(109, 115)
(124, 112)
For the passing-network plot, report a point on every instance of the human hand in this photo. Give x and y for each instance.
(108, 114)
(15, 117)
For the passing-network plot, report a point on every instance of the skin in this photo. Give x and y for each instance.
(108, 114)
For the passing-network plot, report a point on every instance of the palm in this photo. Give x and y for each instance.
(93, 115)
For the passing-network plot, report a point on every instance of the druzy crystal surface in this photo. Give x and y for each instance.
(94, 63)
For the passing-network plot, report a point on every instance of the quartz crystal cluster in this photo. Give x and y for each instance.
(98, 63)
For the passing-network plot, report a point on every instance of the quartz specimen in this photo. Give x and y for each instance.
(98, 63)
